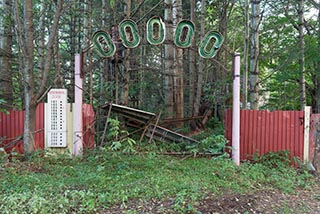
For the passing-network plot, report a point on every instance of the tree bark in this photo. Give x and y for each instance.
(318, 64)
(168, 52)
(200, 66)
(254, 54)
(25, 32)
(192, 65)
(301, 55)
(178, 68)
(246, 54)
(125, 90)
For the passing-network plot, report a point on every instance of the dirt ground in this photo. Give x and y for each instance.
(266, 202)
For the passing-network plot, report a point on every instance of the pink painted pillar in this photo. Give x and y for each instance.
(236, 110)
(77, 117)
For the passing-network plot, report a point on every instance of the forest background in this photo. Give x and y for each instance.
(279, 43)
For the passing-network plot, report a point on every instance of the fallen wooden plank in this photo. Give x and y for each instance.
(137, 118)
(171, 135)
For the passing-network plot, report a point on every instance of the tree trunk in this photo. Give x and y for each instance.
(301, 55)
(143, 59)
(200, 66)
(318, 65)
(246, 55)
(6, 87)
(192, 65)
(169, 50)
(28, 84)
(125, 90)
(254, 54)
(178, 68)
(25, 32)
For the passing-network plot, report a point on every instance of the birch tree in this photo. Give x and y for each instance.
(26, 39)
(178, 68)
(254, 53)
(201, 64)
(246, 38)
(192, 65)
(168, 67)
(301, 54)
(125, 91)
(317, 4)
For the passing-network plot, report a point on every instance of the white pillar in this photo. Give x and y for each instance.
(236, 110)
(307, 113)
(77, 122)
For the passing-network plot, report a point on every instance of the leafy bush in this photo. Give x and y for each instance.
(278, 159)
(118, 138)
(215, 144)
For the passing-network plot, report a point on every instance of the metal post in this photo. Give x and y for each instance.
(236, 110)
(77, 122)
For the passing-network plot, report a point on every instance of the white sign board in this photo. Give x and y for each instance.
(57, 118)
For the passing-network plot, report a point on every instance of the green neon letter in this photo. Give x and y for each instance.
(103, 44)
(210, 44)
(128, 32)
(184, 34)
(155, 31)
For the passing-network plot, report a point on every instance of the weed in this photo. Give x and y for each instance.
(280, 159)
(119, 139)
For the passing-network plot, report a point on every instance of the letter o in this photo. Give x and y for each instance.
(155, 36)
(206, 48)
(184, 34)
(104, 44)
(128, 32)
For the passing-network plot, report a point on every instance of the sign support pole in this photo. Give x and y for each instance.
(77, 122)
(236, 110)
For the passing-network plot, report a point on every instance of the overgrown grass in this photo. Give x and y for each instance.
(100, 179)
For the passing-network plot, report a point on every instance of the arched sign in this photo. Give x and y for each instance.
(129, 35)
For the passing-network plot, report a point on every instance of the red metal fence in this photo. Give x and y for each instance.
(264, 131)
(88, 126)
(11, 128)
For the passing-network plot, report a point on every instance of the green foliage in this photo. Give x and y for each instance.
(2, 101)
(214, 144)
(112, 3)
(118, 138)
(3, 158)
(98, 181)
(277, 169)
(216, 125)
(274, 159)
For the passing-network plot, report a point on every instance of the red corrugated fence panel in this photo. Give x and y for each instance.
(88, 126)
(11, 130)
(263, 131)
(39, 134)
